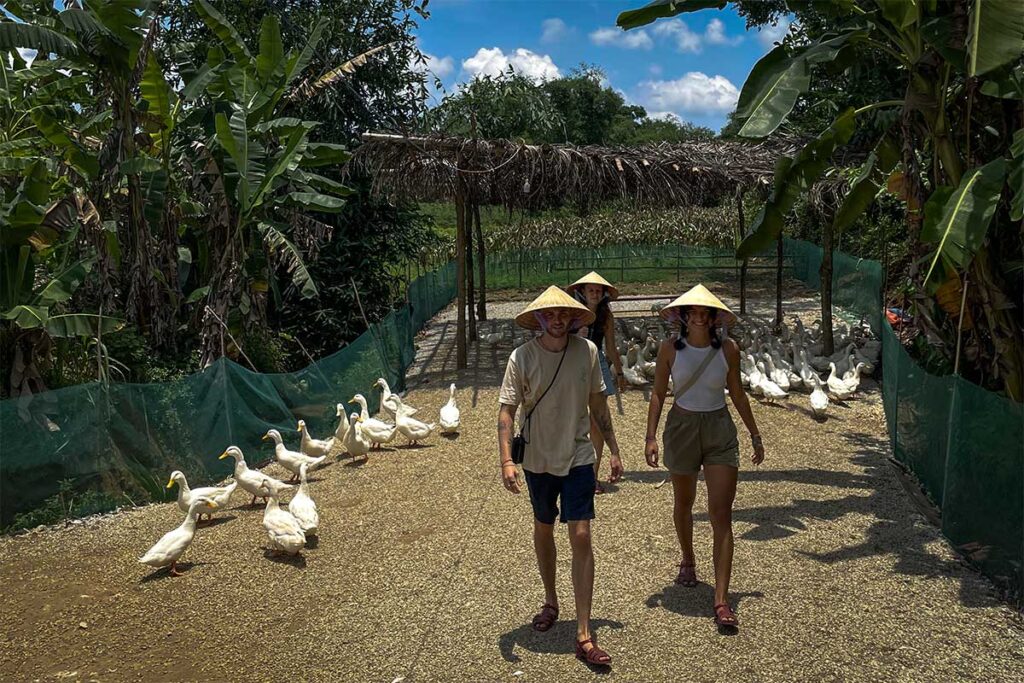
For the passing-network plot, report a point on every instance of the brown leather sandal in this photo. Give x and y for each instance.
(687, 575)
(594, 655)
(724, 616)
(546, 618)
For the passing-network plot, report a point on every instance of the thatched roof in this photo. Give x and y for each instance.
(518, 175)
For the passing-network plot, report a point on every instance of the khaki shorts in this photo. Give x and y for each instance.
(694, 439)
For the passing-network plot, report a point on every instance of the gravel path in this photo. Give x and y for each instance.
(425, 570)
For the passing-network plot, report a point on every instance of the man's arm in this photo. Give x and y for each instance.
(603, 419)
(506, 425)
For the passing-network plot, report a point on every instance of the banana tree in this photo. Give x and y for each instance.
(259, 171)
(961, 59)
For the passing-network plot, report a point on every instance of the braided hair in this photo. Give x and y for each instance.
(716, 334)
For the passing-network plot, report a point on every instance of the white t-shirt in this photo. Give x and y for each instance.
(559, 434)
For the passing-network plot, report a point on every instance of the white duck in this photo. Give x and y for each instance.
(777, 375)
(386, 400)
(377, 431)
(357, 444)
(290, 460)
(807, 375)
(314, 448)
(836, 386)
(169, 549)
(819, 399)
(852, 378)
(756, 375)
(769, 389)
(283, 530)
(413, 430)
(342, 429)
(635, 374)
(253, 481)
(218, 495)
(303, 508)
(449, 417)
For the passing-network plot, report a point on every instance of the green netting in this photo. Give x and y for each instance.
(537, 268)
(126, 438)
(964, 444)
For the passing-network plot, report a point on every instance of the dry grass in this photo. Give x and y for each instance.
(425, 570)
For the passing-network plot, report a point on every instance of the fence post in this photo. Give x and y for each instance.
(678, 275)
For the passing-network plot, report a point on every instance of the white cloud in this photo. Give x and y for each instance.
(677, 30)
(554, 30)
(493, 61)
(630, 40)
(769, 35)
(715, 34)
(695, 93)
(442, 67)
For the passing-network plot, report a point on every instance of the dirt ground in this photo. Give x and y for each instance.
(424, 570)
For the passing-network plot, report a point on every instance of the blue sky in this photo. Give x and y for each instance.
(692, 66)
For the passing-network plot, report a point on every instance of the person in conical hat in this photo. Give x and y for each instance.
(596, 293)
(700, 432)
(557, 380)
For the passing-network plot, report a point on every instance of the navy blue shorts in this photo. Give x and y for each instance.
(576, 489)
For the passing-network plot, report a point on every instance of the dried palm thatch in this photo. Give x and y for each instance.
(521, 176)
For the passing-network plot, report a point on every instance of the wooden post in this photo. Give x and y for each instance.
(470, 288)
(739, 238)
(481, 260)
(826, 289)
(461, 361)
(778, 284)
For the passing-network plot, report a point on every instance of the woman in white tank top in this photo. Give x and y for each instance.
(700, 432)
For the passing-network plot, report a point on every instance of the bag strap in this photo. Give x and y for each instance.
(530, 414)
(696, 375)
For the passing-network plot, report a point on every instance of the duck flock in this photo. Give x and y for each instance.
(289, 529)
(774, 364)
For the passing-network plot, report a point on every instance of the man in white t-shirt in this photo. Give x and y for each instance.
(557, 379)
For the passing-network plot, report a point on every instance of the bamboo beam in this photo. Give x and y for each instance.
(461, 356)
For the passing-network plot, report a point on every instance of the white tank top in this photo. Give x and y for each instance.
(708, 392)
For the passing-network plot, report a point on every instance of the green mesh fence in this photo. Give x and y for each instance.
(126, 438)
(964, 444)
(538, 268)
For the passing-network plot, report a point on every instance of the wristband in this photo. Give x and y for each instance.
(651, 438)
(506, 463)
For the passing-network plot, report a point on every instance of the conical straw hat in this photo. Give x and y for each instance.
(592, 278)
(553, 297)
(699, 295)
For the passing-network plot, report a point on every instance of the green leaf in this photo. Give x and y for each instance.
(197, 294)
(140, 164)
(14, 35)
(78, 158)
(660, 9)
(28, 317)
(81, 325)
(1016, 176)
(792, 178)
(770, 92)
(315, 201)
(866, 185)
(154, 191)
(233, 136)
(60, 288)
(940, 33)
(957, 219)
(276, 241)
(900, 13)
(285, 125)
(323, 184)
(271, 56)
(324, 154)
(23, 214)
(298, 63)
(158, 95)
(223, 29)
(287, 161)
(995, 34)
(1006, 84)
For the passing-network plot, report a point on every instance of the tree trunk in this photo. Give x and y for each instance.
(481, 260)
(460, 273)
(826, 289)
(470, 294)
(740, 229)
(778, 285)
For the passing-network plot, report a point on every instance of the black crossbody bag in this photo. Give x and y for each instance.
(519, 441)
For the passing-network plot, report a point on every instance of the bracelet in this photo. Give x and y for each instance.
(651, 438)
(506, 464)
(755, 438)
